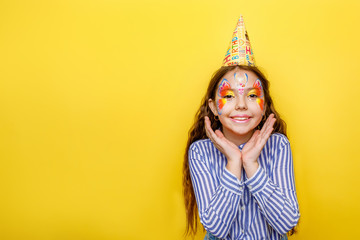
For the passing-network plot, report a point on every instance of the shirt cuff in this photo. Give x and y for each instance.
(258, 181)
(231, 182)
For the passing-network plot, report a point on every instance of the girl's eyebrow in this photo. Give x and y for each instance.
(251, 88)
(227, 89)
(236, 89)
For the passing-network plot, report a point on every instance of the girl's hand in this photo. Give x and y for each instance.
(252, 149)
(228, 148)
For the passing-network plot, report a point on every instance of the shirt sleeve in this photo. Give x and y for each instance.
(217, 201)
(276, 196)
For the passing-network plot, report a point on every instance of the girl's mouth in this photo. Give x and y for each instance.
(240, 119)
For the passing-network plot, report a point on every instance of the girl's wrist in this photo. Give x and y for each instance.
(251, 168)
(234, 158)
(235, 168)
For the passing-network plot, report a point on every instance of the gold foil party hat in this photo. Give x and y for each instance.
(239, 51)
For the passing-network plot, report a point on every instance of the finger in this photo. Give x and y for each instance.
(269, 130)
(266, 124)
(267, 134)
(219, 133)
(209, 131)
(205, 126)
(270, 125)
(216, 137)
(208, 125)
(208, 128)
(254, 136)
(221, 139)
(268, 120)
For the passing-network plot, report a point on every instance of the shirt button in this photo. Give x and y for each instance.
(242, 208)
(250, 187)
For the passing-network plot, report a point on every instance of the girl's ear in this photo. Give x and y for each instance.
(213, 107)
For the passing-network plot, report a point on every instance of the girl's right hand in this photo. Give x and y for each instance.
(228, 148)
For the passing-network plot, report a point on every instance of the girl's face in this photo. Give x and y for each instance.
(239, 102)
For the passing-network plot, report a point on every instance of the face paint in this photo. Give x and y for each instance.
(224, 85)
(259, 93)
(220, 104)
(223, 91)
(241, 82)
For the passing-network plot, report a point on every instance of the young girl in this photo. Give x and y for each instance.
(238, 170)
(240, 175)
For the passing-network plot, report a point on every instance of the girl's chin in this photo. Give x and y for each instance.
(240, 129)
(240, 132)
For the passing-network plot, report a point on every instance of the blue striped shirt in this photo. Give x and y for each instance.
(264, 206)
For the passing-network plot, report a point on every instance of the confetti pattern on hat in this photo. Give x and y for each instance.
(239, 51)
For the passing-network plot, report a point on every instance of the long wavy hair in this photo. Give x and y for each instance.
(197, 132)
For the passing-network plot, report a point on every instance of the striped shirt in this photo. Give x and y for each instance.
(264, 206)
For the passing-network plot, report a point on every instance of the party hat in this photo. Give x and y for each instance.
(239, 51)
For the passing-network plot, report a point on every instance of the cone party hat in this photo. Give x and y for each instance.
(239, 51)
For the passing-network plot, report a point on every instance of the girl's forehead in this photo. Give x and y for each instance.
(238, 75)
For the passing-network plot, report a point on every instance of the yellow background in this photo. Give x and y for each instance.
(97, 96)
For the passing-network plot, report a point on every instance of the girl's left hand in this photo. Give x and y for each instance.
(252, 149)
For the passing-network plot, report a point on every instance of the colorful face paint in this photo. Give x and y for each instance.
(259, 93)
(241, 82)
(223, 92)
(220, 104)
(224, 85)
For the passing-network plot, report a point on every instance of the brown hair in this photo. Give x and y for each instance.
(197, 132)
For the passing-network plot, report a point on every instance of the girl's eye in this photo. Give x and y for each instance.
(252, 96)
(228, 96)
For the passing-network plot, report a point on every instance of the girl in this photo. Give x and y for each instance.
(238, 170)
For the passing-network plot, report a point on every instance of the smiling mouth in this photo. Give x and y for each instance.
(240, 119)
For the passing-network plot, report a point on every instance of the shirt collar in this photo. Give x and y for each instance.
(241, 145)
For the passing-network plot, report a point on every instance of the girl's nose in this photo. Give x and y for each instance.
(241, 103)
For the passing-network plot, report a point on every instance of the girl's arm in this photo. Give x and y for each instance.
(276, 195)
(217, 201)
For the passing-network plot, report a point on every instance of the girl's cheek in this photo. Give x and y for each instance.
(223, 90)
(220, 105)
(260, 101)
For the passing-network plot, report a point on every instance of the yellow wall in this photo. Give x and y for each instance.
(96, 98)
